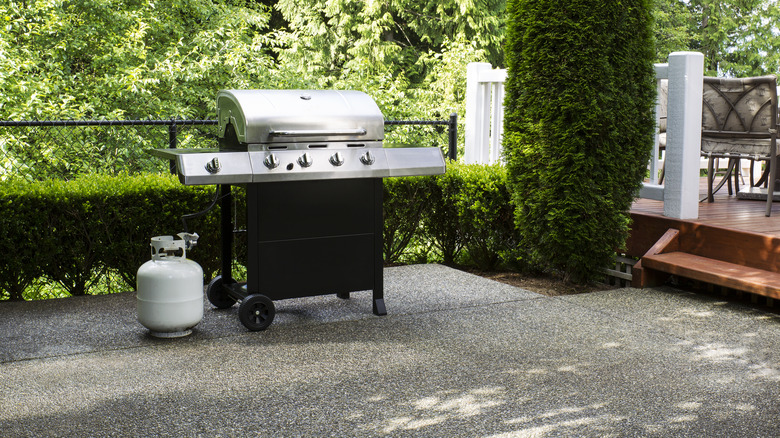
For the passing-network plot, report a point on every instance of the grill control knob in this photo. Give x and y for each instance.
(271, 161)
(213, 166)
(367, 158)
(336, 159)
(305, 160)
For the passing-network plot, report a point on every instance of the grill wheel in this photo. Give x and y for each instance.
(217, 294)
(256, 312)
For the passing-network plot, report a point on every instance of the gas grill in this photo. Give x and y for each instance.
(313, 163)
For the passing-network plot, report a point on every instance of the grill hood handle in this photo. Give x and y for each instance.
(316, 132)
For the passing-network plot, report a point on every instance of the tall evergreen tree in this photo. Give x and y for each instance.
(579, 125)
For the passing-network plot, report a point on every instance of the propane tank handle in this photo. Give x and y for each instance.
(190, 239)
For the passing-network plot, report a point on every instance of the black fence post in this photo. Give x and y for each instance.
(453, 141)
(172, 132)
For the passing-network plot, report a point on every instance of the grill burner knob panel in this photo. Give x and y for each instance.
(367, 158)
(305, 160)
(337, 159)
(271, 161)
(213, 166)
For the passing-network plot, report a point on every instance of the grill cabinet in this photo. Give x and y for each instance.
(313, 163)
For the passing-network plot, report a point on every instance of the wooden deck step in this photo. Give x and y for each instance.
(730, 275)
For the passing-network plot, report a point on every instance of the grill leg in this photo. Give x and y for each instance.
(379, 286)
(226, 226)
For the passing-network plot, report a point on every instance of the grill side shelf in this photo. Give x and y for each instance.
(209, 166)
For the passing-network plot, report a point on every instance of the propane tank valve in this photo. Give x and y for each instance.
(190, 239)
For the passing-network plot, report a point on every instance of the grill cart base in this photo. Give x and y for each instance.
(305, 238)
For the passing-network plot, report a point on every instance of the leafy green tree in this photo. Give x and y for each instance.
(737, 37)
(127, 59)
(579, 125)
(673, 25)
(396, 35)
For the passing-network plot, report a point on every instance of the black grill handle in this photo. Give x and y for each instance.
(316, 132)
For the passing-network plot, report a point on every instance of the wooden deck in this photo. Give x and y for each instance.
(732, 244)
(726, 211)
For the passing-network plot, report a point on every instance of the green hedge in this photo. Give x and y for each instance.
(463, 217)
(70, 236)
(72, 233)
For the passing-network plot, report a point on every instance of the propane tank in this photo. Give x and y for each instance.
(170, 288)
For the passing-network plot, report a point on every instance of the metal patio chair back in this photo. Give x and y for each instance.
(739, 121)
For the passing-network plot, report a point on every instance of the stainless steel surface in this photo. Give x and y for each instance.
(191, 165)
(271, 161)
(326, 134)
(248, 167)
(305, 160)
(367, 158)
(336, 159)
(213, 166)
(414, 161)
(318, 133)
(320, 165)
(260, 117)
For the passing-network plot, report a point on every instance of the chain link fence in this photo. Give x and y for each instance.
(64, 149)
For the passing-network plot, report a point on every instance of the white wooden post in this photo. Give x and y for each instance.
(685, 73)
(476, 110)
(683, 135)
(484, 113)
(661, 73)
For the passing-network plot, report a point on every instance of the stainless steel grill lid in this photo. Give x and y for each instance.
(286, 135)
(262, 117)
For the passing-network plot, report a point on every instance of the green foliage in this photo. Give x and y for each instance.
(73, 233)
(485, 218)
(99, 59)
(461, 217)
(394, 36)
(737, 37)
(578, 127)
(116, 59)
(404, 201)
(673, 21)
(441, 223)
(24, 240)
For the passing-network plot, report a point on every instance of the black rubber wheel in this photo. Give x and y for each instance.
(217, 295)
(256, 312)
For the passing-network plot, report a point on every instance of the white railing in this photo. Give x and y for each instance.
(680, 192)
(484, 113)
(684, 72)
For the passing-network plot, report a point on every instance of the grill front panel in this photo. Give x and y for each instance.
(315, 237)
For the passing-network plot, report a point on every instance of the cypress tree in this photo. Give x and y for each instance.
(579, 126)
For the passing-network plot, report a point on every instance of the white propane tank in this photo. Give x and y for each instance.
(170, 288)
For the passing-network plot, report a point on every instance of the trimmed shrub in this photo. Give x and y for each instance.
(72, 232)
(579, 126)
(404, 200)
(485, 215)
(25, 244)
(442, 227)
(463, 216)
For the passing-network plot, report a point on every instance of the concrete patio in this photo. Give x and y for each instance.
(457, 355)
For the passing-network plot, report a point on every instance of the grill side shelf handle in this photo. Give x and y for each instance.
(316, 132)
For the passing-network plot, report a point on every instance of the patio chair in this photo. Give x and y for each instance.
(739, 121)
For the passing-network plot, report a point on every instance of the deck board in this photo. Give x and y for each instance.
(727, 211)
